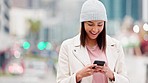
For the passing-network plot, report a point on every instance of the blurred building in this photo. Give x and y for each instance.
(0, 14)
(118, 9)
(145, 10)
(60, 17)
(5, 8)
(5, 37)
(35, 4)
(5, 40)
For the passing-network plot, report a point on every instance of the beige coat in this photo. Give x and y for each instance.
(73, 57)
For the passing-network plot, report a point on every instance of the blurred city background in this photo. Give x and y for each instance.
(31, 32)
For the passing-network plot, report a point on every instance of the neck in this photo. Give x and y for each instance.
(91, 42)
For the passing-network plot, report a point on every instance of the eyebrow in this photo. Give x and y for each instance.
(92, 22)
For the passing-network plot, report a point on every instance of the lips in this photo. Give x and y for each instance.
(93, 33)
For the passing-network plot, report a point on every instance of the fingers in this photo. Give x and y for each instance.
(95, 68)
(102, 69)
(98, 69)
(88, 70)
(92, 66)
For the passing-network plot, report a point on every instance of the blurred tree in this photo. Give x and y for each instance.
(34, 26)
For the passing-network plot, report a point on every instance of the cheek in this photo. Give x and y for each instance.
(87, 28)
(101, 29)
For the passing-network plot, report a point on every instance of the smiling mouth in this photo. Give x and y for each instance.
(93, 33)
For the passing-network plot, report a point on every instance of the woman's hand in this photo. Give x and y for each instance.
(90, 69)
(86, 71)
(106, 70)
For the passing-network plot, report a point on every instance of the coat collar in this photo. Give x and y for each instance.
(81, 52)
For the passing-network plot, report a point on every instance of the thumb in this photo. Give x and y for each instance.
(105, 64)
(93, 65)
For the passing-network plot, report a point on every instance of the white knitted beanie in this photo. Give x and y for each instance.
(93, 10)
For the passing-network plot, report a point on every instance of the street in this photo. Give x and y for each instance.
(34, 73)
(50, 78)
(136, 67)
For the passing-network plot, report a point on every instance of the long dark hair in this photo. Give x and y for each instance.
(101, 39)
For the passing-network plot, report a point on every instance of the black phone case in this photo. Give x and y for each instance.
(99, 63)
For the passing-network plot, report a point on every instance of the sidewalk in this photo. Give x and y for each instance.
(136, 67)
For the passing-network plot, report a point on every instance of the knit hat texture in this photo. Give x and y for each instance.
(93, 10)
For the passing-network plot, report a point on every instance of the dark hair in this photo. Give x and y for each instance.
(101, 39)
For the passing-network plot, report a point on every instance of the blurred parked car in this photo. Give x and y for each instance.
(16, 67)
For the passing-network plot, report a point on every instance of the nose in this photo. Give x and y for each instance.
(95, 29)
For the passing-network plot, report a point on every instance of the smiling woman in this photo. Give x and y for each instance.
(77, 55)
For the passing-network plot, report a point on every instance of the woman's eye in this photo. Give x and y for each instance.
(90, 24)
(99, 25)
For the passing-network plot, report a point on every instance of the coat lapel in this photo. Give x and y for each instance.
(80, 52)
(82, 55)
(111, 53)
(110, 59)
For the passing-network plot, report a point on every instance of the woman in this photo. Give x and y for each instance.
(76, 57)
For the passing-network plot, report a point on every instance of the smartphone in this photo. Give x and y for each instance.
(99, 63)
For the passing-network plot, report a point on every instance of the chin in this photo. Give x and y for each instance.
(93, 38)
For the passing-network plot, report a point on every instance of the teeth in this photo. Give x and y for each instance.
(93, 33)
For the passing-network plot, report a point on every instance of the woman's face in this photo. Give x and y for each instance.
(93, 28)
